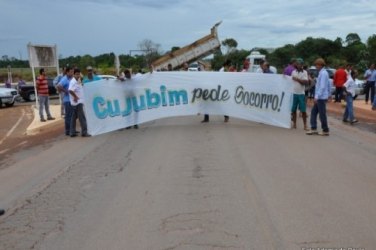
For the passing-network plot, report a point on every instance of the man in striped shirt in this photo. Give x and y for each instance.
(43, 96)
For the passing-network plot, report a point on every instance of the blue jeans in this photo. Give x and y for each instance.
(44, 103)
(319, 108)
(67, 117)
(349, 110)
(78, 112)
(370, 86)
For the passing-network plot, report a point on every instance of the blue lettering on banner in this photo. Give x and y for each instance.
(150, 100)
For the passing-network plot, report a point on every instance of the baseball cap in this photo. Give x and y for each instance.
(89, 68)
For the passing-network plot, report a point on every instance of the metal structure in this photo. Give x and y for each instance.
(196, 50)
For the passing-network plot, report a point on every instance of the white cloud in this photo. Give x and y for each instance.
(100, 26)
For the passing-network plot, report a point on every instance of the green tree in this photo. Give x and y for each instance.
(352, 38)
(85, 61)
(152, 50)
(174, 48)
(371, 48)
(230, 44)
(282, 56)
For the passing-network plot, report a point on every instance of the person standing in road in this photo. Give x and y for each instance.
(43, 95)
(339, 78)
(370, 76)
(300, 78)
(76, 92)
(127, 76)
(2, 212)
(90, 75)
(322, 95)
(225, 68)
(63, 87)
(349, 89)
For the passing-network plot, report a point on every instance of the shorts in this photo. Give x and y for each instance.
(298, 101)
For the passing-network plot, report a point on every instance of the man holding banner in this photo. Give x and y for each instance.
(76, 92)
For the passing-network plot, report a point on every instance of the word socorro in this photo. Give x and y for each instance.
(253, 99)
(258, 100)
(150, 100)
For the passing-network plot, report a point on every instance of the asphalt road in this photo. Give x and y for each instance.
(179, 184)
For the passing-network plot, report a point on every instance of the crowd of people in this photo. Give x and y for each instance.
(70, 87)
(306, 86)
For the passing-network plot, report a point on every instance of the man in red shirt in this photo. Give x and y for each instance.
(42, 90)
(339, 79)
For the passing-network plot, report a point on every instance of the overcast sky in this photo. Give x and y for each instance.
(95, 27)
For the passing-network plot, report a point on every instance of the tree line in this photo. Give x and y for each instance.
(336, 52)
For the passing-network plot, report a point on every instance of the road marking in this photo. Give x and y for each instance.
(13, 128)
(21, 143)
(4, 151)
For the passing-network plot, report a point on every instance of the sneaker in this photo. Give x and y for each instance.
(42, 120)
(51, 118)
(373, 107)
(324, 133)
(312, 132)
(86, 135)
(344, 120)
(354, 121)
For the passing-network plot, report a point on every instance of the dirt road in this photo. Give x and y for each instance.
(178, 184)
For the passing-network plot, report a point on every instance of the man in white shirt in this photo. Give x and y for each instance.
(76, 92)
(300, 78)
(349, 89)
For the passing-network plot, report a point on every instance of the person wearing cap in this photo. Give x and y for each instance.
(90, 76)
(322, 95)
(300, 78)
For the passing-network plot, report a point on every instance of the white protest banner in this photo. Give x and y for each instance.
(113, 104)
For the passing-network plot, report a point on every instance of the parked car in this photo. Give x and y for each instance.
(193, 67)
(27, 92)
(107, 77)
(359, 83)
(8, 96)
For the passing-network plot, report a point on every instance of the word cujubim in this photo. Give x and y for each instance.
(150, 100)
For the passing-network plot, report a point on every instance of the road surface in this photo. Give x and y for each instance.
(177, 184)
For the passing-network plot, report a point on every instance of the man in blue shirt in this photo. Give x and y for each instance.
(322, 94)
(370, 76)
(63, 86)
(90, 76)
